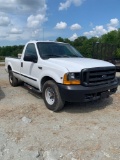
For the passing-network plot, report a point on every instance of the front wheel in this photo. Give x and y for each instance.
(13, 81)
(52, 96)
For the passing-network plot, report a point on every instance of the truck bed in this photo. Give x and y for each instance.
(16, 62)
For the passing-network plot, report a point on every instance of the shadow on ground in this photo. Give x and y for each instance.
(2, 95)
(78, 107)
(87, 107)
(118, 80)
(34, 93)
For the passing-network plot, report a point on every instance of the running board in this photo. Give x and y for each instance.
(32, 88)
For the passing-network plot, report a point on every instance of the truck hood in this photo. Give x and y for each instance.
(77, 64)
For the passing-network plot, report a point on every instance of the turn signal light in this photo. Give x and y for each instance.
(68, 82)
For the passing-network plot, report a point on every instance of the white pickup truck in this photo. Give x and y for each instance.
(61, 74)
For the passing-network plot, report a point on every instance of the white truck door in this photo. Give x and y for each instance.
(29, 66)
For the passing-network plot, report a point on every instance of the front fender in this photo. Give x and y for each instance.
(58, 78)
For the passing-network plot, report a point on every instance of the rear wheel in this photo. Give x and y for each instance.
(12, 79)
(52, 96)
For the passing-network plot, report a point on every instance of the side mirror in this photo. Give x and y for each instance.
(30, 58)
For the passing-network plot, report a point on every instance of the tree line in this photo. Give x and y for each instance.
(83, 44)
(11, 50)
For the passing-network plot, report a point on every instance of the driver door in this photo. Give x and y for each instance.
(29, 66)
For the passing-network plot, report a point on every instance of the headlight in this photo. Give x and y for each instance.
(71, 78)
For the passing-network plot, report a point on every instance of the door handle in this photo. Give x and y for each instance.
(21, 64)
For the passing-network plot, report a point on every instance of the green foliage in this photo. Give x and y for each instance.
(59, 39)
(117, 54)
(85, 45)
(2, 58)
(10, 50)
(110, 37)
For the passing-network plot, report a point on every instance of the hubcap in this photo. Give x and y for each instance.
(50, 96)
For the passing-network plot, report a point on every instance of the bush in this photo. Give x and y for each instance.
(117, 54)
(2, 58)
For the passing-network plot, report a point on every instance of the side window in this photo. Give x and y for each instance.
(30, 51)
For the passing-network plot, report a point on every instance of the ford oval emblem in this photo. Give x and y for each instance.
(104, 76)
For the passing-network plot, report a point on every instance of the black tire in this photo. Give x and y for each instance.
(13, 81)
(52, 96)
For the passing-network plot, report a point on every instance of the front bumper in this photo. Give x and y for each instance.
(79, 93)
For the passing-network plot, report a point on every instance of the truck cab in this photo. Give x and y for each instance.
(62, 74)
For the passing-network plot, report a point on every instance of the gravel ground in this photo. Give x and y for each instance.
(81, 131)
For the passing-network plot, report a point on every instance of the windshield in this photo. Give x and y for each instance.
(57, 50)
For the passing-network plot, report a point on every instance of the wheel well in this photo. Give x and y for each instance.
(47, 78)
(9, 68)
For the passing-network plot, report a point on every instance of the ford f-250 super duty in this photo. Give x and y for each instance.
(61, 73)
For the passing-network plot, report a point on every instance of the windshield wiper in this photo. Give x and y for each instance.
(75, 56)
(51, 56)
(65, 56)
(69, 56)
(60, 56)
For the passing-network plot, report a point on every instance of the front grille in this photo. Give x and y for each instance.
(98, 76)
